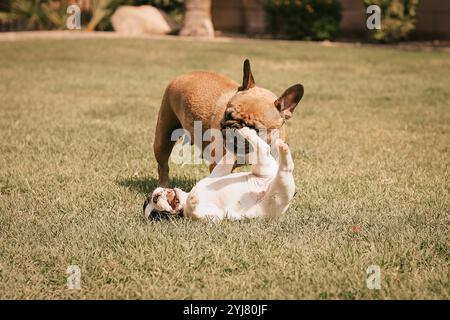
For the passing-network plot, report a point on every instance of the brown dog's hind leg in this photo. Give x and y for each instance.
(162, 146)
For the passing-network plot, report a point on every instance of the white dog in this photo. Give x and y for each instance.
(265, 191)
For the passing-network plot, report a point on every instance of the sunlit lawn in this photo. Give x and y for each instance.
(370, 142)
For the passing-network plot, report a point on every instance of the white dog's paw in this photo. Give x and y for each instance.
(282, 146)
(193, 200)
(247, 133)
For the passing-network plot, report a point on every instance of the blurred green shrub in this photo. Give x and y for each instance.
(303, 19)
(37, 14)
(398, 19)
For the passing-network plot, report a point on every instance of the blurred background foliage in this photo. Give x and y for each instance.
(303, 19)
(51, 14)
(35, 14)
(285, 19)
(398, 19)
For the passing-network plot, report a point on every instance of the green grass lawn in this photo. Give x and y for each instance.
(370, 141)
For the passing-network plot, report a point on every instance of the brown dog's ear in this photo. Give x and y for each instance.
(248, 81)
(289, 100)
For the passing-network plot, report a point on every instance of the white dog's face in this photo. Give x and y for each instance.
(165, 200)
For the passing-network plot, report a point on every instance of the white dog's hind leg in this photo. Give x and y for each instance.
(282, 188)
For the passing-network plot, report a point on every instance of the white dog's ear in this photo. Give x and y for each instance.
(148, 210)
(247, 81)
(148, 205)
(288, 101)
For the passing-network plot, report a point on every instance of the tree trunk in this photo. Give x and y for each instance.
(197, 19)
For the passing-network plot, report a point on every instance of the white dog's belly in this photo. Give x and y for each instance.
(234, 196)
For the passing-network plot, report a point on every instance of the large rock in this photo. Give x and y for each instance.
(142, 20)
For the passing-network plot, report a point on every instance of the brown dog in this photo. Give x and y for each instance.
(218, 102)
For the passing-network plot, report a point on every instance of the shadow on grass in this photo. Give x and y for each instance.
(147, 184)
